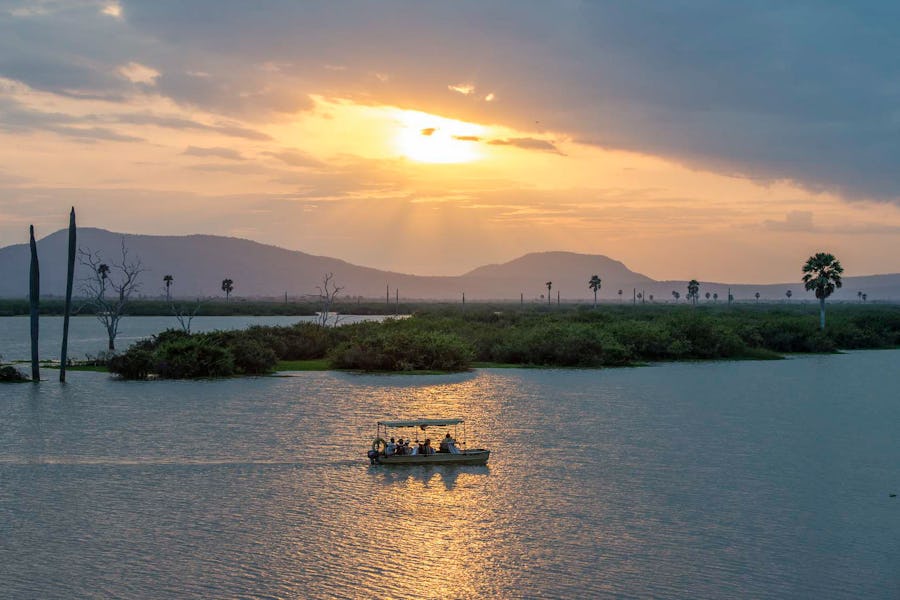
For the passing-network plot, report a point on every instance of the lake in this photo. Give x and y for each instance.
(88, 337)
(701, 480)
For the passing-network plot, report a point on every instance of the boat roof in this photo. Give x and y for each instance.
(421, 423)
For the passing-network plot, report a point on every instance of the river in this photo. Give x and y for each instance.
(701, 480)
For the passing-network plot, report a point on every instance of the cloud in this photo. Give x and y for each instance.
(796, 220)
(187, 124)
(467, 138)
(16, 118)
(462, 88)
(295, 158)
(226, 153)
(428, 130)
(803, 91)
(527, 144)
(138, 73)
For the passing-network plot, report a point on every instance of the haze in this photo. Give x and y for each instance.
(711, 140)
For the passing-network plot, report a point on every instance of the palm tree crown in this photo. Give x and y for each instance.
(168, 281)
(822, 274)
(594, 284)
(693, 290)
(227, 287)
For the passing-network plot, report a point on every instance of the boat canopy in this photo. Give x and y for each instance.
(421, 423)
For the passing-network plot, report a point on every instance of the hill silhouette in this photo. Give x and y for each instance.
(199, 263)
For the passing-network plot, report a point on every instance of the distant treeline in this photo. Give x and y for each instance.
(451, 338)
(215, 307)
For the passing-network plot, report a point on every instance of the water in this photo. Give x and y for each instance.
(88, 337)
(703, 480)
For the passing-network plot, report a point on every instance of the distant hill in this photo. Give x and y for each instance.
(199, 263)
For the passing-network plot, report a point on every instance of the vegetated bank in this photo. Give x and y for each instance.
(451, 338)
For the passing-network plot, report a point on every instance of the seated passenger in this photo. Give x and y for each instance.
(446, 443)
(400, 450)
(428, 448)
(391, 448)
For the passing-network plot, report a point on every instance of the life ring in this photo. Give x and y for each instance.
(379, 445)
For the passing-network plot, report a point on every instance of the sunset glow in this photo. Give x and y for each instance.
(417, 160)
(432, 139)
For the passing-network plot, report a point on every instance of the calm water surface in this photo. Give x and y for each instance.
(706, 480)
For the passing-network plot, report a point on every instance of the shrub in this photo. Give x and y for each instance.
(10, 374)
(251, 356)
(136, 363)
(192, 358)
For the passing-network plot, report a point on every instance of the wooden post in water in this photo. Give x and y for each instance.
(387, 295)
(34, 296)
(70, 275)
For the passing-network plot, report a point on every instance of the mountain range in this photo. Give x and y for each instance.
(199, 263)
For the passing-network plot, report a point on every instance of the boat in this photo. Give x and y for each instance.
(452, 453)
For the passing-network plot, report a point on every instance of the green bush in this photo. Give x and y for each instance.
(251, 356)
(192, 358)
(394, 349)
(10, 374)
(136, 363)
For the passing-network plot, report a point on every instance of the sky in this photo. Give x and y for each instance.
(707, 139)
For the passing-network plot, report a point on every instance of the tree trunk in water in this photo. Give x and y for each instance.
(70, 275)
(112, 345)
(34, 294)
(822, 314)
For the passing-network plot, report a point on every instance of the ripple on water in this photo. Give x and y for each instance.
(723, 480)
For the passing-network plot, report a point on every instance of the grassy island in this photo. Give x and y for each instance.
(453, 338)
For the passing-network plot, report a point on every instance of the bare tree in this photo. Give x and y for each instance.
(121, 279)
(328, 292)
(185, 313)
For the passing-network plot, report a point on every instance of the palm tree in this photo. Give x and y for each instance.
(549, 285)
(822, 274)
(594, 284)
(227, 287)
(168, 279)
(676, 295)
(865, 296)
(693, 291)
(103, 271)
(707, 296)
(651, 297)
(620, 295)
(715, 296)
(859, 296)
(757, 297)
(789, 293)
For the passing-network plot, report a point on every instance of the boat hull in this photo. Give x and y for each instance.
(467, 457)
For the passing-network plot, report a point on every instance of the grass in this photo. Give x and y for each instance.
(314, 364)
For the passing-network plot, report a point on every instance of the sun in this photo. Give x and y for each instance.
(431, 139)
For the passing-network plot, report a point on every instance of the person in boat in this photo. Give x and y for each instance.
(447, 443)
(428, 449)
(402, 447)
(391, 448)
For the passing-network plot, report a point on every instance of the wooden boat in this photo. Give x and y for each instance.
(455, 455)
